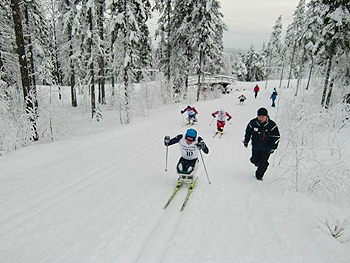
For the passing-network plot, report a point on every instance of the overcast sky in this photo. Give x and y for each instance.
(251, 21)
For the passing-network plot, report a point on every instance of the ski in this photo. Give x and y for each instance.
(177, 188)
(221, 134)
(189, 192)
(216, 133)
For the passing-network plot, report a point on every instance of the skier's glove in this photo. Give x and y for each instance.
(200, 145)
(245, 144)
(166, 140)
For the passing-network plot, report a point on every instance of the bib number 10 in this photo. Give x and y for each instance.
(189, 154)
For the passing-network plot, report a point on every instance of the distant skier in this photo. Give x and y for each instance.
(241, 98)
(273, 97)
(256, 90)
(221, 118)
(265, 137)
(190, 144)
(192, 112)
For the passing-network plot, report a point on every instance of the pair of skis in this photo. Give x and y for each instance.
(177, 188)
(220, 134)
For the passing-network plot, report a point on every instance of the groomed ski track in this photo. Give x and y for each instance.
(100, 198)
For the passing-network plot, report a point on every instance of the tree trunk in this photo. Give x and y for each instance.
(91, 66)
(291, 66)
(168, 41)
(28, 92)
(101, 62)
(329, 95)
(301, 69)
(329, 67)
(281, 78)
(310, 73)
(28, 38)
(268, 70)
(199, 74)
(71, 64)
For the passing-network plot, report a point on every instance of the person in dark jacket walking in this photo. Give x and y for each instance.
(273, 97)
(265, 137)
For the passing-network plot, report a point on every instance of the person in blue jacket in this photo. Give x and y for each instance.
(273, 97)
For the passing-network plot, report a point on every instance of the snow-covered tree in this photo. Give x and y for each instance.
(239, 69)
(274, 51)
(29, 91)
(128, 27)
(334, 42)
(293, 38)
(67, 44)
(254, 63)
(207, 30)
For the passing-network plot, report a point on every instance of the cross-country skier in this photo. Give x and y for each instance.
(192, 112)
(241, 98)
(265, 137)
(190, 144)
(221, 118)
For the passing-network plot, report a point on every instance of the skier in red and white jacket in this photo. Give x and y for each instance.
(192, 112)
(221, 116)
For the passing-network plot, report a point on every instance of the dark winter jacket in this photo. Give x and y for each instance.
(273, 95)
(264, 136)
(179, 137)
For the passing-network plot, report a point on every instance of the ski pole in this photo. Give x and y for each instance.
(183, 120)
(205, 167)
(212, 121)
(166, 159)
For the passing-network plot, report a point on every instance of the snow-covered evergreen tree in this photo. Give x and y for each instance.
(206, 30)
(254, 63)
(274, 51)
(293, 39)
(239, 69)
(128, 27)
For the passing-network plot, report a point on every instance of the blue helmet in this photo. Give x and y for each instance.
(191, 134)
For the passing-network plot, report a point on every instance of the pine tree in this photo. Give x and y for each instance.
(129, 30)
(100, 10)
(293, 37)
(67, 10)
(274, 50)
(334, 42)
(164, 30)
(254, 63)
(29, 91)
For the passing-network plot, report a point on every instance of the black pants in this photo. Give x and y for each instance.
(260, 159)
(186, 164)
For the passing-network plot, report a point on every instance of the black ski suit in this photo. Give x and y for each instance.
(265, 138)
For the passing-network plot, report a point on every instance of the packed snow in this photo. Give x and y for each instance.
(99, 195)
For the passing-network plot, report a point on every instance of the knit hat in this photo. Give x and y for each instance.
(262, 111)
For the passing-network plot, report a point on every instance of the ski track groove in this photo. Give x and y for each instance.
(115, 202)
(33, 210)
(162, 225)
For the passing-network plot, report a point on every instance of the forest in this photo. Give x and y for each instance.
(104, 53)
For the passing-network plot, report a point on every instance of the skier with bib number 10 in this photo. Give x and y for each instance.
(190, 145)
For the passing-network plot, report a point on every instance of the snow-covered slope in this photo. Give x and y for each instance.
(100, 198)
